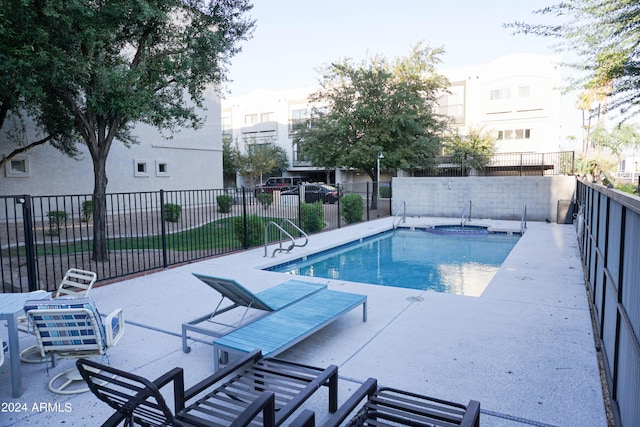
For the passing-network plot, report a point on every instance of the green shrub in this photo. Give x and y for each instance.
(57, 221)
(352, 208)
(172, 212)
(87, 210)
(265, 199)
(628, 188)
(224, 203)
(255, 230)
(312, 217)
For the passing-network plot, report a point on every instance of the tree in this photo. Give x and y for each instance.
(473, 149)
(605, 34)
(21, 92)
(230, 158)
(585, 100)
(262, 159)
(377, 106)
(613, 142)
(102, 66)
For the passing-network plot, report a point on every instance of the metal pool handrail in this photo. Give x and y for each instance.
(404, 215)
(523, 221)
(466, 215)
(283, 231)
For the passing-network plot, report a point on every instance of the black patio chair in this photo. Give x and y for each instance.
(251, 390)
(388, 406)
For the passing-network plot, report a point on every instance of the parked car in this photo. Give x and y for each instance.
(317, 192)
(280, 183)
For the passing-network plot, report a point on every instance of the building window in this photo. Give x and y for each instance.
(162, 168)
(503, 93)
(250, 119)
(18, 167)
(299, 114)
(298, 153)
(267, 117)
(226, 126)
(452, 103)
(140, 168)
(298, 118)
(509, 134)
(258, 147)
(524, 91)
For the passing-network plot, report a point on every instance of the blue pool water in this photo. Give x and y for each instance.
(441, 260)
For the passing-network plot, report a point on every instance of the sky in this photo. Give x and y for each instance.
(292, 39)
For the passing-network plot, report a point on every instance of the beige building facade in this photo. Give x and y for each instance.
(518, 98)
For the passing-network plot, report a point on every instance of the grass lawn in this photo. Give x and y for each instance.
(219, 234)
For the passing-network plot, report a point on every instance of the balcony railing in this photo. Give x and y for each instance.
(502, 164)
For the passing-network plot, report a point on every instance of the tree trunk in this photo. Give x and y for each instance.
(100, 252)
(374, 189)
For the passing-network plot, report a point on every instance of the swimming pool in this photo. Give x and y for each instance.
(424, 259)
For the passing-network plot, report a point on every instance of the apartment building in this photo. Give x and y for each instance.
(188, 159)
(516, 97)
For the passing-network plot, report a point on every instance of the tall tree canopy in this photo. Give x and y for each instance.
(23, 73)
(100, 66)
(605, 34)
(377, 106)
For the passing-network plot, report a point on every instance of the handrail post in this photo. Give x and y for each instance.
(403, 205)
(466, 214)
(282, 230)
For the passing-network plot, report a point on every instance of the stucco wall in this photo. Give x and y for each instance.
(491, 197)
(192, 159)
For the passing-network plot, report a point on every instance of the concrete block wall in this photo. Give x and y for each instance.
(501, 197)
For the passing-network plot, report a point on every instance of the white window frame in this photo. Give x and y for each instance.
(251, 118)
(267, 117)
(136, 170)
(159, 164)
(11, 172)
(499, 94)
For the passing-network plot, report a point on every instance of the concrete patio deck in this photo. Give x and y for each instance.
(524, 348)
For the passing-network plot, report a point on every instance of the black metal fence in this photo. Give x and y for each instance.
(609, 234)
(42, 237)
(502, 164)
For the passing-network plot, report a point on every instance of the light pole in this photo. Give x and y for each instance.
(380, 156)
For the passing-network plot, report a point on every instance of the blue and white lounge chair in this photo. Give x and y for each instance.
(76, 283)
(72, 328)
